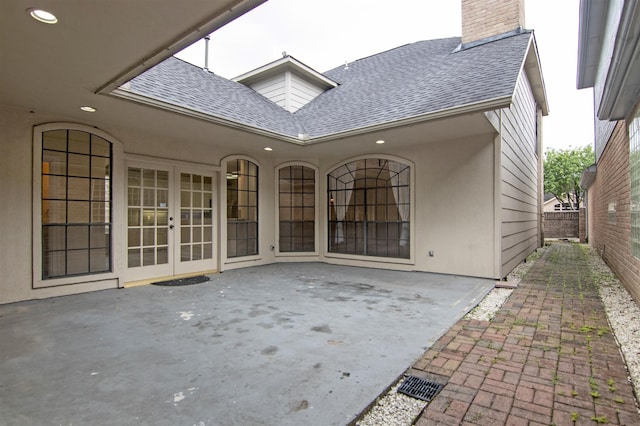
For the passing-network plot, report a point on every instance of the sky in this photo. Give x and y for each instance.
(324, 34)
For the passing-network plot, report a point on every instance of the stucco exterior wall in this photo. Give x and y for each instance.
(453, 211)
(610, 212)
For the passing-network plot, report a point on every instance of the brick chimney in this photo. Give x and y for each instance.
(486, 18)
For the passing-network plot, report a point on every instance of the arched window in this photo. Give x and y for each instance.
(242, 208)
(76, 204)
(369, 208)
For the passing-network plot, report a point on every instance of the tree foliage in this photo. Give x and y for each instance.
(562, 172)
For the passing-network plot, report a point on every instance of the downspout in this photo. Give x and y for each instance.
(539, 152)
(497, 200)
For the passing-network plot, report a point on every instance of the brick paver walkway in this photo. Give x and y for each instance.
(547, 358)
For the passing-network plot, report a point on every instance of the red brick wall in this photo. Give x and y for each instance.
(561, 224)
(611, 229)
(582, 229)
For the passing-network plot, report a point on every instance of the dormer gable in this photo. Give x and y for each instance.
(287, 82)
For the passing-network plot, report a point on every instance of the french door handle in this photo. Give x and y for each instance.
(171, 226)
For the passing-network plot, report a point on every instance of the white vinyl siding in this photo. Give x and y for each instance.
(287, 90)
(519, 182)
(274, 89)
(301, 92)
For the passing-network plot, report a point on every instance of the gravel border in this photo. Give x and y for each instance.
(623, 314)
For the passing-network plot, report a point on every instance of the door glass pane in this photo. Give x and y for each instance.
(148, 256)
(135, 177)
(149, 178)
(163, 179)
(148, 188)
(194, 220)
(207, 251)
(163, 255)
(134, 258)
(148, 236)
(162, 236)
(134, 196)
(185, 252)
(133, 237)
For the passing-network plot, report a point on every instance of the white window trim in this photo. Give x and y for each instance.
(316, 227)
(224, 260)
(117, 212)
(412, 191)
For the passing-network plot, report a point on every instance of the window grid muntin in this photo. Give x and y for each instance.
(634, 171)
(368, 188)
(94, 255)
(196, 218)
(147, 217)
(242, 208)
(296, 213)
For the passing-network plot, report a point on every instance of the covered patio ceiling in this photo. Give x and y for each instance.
(95, 47)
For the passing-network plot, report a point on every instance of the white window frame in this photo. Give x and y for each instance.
(112, 278)
(316, 227)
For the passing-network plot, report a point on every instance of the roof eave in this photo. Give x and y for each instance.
(592, 22)
(622, 83)
(208, 25)
(588, 176)
(303, 138)
(481, 106)
(533, 69)
(187, 112)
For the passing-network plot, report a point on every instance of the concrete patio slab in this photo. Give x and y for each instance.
(282, 344)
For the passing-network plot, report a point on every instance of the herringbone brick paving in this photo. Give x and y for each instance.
(548, 357)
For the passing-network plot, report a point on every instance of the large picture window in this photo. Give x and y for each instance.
(76, 204)
(296, 209)
(369, 208)
(634, 167)
(242, 208)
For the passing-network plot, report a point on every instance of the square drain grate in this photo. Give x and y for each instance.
(419, 388)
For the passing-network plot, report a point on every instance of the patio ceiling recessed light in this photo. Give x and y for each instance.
(43, 16)
(88, 108)
(267, 148)
(379, 141)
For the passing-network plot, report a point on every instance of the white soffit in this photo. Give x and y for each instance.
(95, 46)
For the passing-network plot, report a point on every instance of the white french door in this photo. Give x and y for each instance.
(171, 218)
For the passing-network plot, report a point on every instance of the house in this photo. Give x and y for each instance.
(123, 165)
(608, 61)
(551, 204)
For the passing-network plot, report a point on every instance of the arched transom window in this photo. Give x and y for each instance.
(369, 208)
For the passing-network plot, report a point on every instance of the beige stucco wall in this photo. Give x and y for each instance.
(453, 193)
(452, 201)
(15, 207)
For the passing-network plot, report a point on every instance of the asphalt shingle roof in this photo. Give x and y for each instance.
(401, 83)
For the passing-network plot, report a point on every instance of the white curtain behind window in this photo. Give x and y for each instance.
(341, 192)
